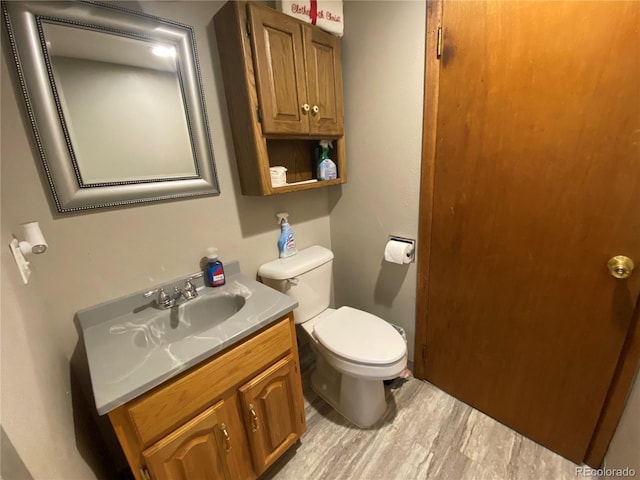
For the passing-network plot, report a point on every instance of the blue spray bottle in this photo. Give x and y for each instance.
(287, 241)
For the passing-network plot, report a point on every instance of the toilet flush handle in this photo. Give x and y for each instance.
(293, 281)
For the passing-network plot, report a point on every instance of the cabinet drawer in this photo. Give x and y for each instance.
(160, 411)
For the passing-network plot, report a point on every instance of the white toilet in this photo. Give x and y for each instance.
(355, 351)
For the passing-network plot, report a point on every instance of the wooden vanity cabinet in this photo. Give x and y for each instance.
(283, 83)
(229, 417)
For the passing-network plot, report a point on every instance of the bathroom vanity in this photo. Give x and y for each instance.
(218, 400)
(229, 417)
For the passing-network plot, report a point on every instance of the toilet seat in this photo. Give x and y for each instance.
(360, 337)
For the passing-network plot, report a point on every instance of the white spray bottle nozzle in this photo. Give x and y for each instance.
(326, 143)
(282, 217)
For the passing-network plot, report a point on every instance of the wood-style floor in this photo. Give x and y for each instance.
(425, 434)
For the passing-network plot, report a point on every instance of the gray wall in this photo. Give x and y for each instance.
(383, 68)
(624, 450)
(94, 257)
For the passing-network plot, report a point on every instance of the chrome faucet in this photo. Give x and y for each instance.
(164, 300)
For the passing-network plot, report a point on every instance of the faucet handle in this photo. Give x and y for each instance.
(151, 292)
(189, 291)
(164, 300)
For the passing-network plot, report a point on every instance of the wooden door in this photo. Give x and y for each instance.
(536, 184)
(324, 82)
(273, 412)
(198, 449)
(278, 59)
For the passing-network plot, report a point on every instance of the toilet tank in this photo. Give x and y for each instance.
(305, 276)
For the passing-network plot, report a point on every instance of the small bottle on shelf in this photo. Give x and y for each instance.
(326, 167)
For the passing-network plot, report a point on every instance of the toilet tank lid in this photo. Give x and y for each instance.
(302, 262)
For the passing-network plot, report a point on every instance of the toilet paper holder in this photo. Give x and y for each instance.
(411, 241)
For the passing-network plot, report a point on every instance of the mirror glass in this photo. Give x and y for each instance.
(100, 78)
(115, 100)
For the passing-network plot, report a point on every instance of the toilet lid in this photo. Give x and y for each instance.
(360, 337)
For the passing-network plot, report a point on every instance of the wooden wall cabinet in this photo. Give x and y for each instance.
(283, 82)
(229, 418)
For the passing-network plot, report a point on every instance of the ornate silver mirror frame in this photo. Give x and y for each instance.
(72, 190)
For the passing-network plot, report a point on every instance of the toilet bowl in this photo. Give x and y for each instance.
(355, 350)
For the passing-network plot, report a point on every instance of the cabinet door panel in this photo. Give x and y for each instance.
(273, 411)
(196, 450)
(278, 55)
(324, 82)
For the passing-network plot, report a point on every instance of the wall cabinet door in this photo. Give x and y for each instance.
(298, 75)
(273, 412)
(198, 449)
(278, 46)
(324, 82)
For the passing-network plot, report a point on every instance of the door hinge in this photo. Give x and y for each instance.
(247, 26)
(145, 473)
(439, 42)
(302, 417)
(424, 353)
(259, 114)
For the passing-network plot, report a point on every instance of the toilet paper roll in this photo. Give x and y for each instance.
(397, 252)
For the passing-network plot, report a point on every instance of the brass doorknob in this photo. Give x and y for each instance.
(305, 107)
(620, 266)
(315, 109)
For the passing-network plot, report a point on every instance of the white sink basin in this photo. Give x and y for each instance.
(211, 310)
(190, 319)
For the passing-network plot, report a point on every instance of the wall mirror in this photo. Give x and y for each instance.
(115, 100)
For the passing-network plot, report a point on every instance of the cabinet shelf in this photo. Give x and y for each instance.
(283, 82)
(307, 186)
